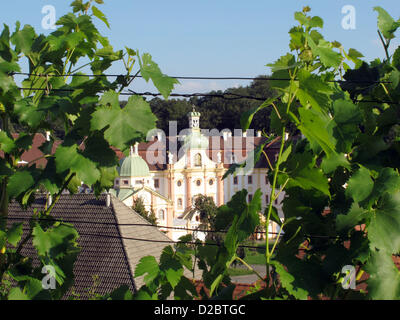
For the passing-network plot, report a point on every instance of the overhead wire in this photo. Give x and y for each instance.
(225, 96)
(154, 226)
(189, 77)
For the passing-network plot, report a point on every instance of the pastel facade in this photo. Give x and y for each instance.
(169, 172)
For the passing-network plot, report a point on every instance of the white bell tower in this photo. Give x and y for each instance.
(194, 119)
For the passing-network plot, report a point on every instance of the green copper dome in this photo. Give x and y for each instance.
(133, 166)
(195, 140)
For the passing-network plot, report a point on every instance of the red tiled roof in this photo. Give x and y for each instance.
(103, 256)
(240, 146)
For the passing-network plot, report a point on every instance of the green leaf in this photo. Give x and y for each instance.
(302, 18)
(360, 185)
(287, 280)
(313, 90)
(284, 63)
(171, 266)
(346, 112)
(247, 117)
(315, 125)
(55, 241)
(354, 55)
(23, 39)
(123, 126)
(332, 162)
(97, 13)
(386, 23)
(346, 222)
(245, 221)
(150, 70)
(19, 182)
(308, 178)
(147, 265)
(14, 233)
(384, 277)
(7, 144)
(17, 294)
(121, 293)
(316, 22)
(28, 113)
(329, 58)
(68, 158)
(383, 230)
(396, 58)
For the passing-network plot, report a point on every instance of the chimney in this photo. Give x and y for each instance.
(137, 148)
(49, 200)
(108, 200)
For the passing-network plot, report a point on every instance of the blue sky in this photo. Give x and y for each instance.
(214, 37)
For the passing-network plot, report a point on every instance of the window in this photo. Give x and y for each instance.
(138, 181)
(117, 181)
(126, 182)
(211, 182)
(197, 160)
(179, 183)
(250, 197)
(266, 199)
(235, 180)
(276, 201)
(156, 183)
(198, 182)
(161, 215)
(250, 179)
(180, 203)
(266, 179)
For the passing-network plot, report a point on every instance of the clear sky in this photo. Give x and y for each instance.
(214, 37)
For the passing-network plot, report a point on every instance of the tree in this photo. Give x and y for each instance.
(216, 112)
(207, 210)
(139, 207)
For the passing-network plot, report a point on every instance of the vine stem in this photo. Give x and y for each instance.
(268, 254)
(250, 267)
(272, 198)
(385, 45)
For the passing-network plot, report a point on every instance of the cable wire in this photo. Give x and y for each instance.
(191, 95)
(191, 77)
(158, 226)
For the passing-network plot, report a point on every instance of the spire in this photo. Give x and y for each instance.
(194, 118)
(137, 148)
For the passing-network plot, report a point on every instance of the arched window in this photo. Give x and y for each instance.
(197, 160)
(161, 215)
(180, 203)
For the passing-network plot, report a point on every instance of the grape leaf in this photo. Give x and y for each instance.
(360, 185)
(134, 121)
(150, 70)
(384, 277)
(68, 158)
